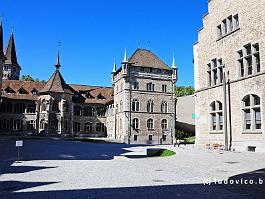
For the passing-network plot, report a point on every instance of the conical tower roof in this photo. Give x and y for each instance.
(56, 84)
(1, 41)
(10, 52)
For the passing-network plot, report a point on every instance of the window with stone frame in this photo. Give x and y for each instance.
(150, 86)
(100, 127)
(42, 124)
(88, 127)
(6, 107)
(17, 125)
(150, 106)
(164, 124)
(101, 111)
(19, 108)
(135, 105)
(150, 124)
(88, 111)
(135, 85)
(135, 137)
(248, 60)
(31, 108)
(215, 72)
(5, 124)
(251, 113)
(227, 26)
(135, 123)
(31, 124)
(55, 106)
(164, 107)
(164, 88)
(77, 110)
(77, 127)
(216, 116)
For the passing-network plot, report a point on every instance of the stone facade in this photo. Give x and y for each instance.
(231, 43)
(57, 109)
(131, 97)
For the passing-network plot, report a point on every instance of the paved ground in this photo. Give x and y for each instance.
(69, 169)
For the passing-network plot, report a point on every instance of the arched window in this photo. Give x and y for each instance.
(216, 112)
(76, 127)
(252, 114)
(101, 111)
(19, 108)
(150, 106)
(54, 125)
(42, 124)
(100, 127)
(17, 124)
(31, 108)
(5, 124)
(150, 124)
(77, 110)
(135, 105)
(43, 105)
(5, 107)
(55, 106)
(135, 123)
(164, 107)
(88, 127)
(164, 124)
(88, 111)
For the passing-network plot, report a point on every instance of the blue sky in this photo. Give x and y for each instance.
(93, 32)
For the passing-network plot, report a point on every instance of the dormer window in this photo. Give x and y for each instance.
(9, 90)
(34, 91)
(22, 91)
(100, 96)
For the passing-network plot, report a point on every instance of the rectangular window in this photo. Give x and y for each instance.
(236, 22)
(164, 88)
(257, 119)
(220, 121)
(219, 31)
(150, 137)
(135, 137)
(230, 23)
(249, 65)
(150, 87)
(224, 27)
(164, 138)
(247, 119)
(214, 121)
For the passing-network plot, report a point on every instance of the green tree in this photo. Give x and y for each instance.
(27, 78)
(184, 91)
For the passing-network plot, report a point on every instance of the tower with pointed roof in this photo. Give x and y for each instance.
(1, 54)
(54, 105)
(144, 99)
(11, 68)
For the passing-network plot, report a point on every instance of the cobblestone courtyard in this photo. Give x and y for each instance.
(71, 169)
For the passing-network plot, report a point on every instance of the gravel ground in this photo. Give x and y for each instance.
(72, 169)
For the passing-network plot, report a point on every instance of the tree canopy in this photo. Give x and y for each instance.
(184, 91)
(29, 78)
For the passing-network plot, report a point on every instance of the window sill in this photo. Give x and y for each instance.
(220, 38)
(216, 132)
(252, 132)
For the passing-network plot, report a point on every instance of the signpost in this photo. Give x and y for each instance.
(19, 144)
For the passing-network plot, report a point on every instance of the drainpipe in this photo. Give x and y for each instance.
(225, 113)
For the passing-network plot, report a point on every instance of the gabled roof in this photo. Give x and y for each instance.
(10, 89)
(57, 84)
(10, 52)
(145, 58)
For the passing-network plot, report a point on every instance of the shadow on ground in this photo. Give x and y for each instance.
(234, 191)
